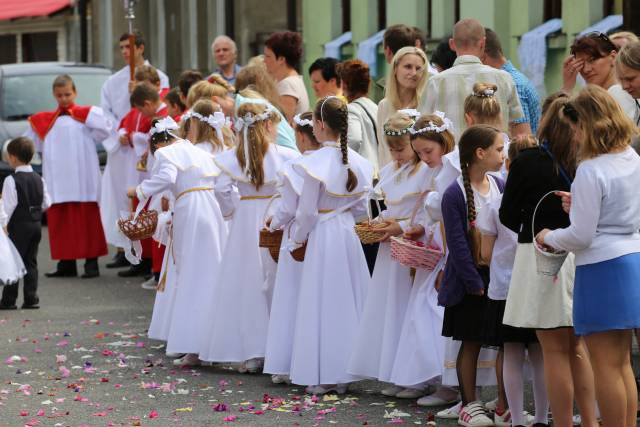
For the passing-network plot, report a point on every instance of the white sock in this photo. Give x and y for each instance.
(513, 383)
(540, 398)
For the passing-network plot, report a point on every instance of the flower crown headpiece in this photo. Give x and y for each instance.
(486, 93)
(447, 125)
(302, 122)
(413, 115)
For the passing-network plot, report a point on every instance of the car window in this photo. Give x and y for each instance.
(23, 96)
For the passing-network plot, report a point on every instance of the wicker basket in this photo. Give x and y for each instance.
(141, 226)
(547, 263)
(415, 254)
(367, 233)
(270, 239)
(298, 254)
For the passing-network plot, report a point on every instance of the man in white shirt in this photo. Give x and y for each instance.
(448, 90)
(114, 97)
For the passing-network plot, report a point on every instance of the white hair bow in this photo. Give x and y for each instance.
(432, 127)
(166, 124)
(302, 122)
(245, 122)
(216, 120)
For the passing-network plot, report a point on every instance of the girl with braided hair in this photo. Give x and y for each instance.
(334, 277)
(237, 328)
(466, 275)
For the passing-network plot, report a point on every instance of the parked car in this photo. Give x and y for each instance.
(26, 89)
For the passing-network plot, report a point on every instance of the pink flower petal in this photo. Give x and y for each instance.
(153, 414)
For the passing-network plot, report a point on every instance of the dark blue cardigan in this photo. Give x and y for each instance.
(460, 273)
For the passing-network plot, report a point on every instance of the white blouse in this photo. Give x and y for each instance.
(605, 209)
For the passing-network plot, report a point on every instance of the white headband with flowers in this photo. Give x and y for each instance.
(447, 125)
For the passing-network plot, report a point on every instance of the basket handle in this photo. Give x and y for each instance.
(141, 208)
(266, 210)
(417, 206)
(533, 217)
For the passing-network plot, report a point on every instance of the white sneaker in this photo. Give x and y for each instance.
(175, 355)
(250, 366)
(452, 413)
(411, 393)
(506, 421)
(324, 389)
(188, 360)
(474, 415)
(150, 284)
(391, 391)
(280, 379)
(491, 405)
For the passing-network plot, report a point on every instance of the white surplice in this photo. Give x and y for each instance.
(70, 165)
(237, 326)
(197, 237)
(335, 276)
(376, 343)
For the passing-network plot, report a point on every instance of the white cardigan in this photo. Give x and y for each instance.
(362, 131)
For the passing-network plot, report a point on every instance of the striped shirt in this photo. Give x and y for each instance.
(528, 95)
(447, 91)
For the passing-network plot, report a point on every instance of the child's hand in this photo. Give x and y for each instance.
(414, 233)
(267, 223)
(124, 139)
(132, 85)
(164, 203)
(438, 282)
(392, 228)
(565, 196)
(131, 192)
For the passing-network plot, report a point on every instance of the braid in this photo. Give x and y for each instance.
(352, 180)
(471, 205)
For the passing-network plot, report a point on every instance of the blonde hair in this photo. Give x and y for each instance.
(605, 126)
(204, 90)
(624, 35)
(444, 138)
(258, 142)
(401, 122)
(257, 78)
(206, 134)
(483, 105)
(629, 56)
(391, 89)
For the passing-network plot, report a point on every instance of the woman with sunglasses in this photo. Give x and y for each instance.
(593, 56)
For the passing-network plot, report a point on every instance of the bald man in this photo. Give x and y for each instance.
(225, 54)
(447, 91)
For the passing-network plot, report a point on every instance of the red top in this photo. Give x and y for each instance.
(42, 122)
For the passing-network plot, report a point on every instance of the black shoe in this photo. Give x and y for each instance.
(8, 306)
(142, 269)
(90, 274)
(65, 268)
(119, 261)
(61, 273)
(30, 306)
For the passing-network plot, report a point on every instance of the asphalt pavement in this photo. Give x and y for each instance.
(83, 359)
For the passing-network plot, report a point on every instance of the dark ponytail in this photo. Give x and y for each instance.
(334, 114)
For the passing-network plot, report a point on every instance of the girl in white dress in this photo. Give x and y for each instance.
(209, 128)
(402, 183)
(287, 284)
(197, 233)
(335, 276)
(420, 351)
(237, 326)
(11, 266)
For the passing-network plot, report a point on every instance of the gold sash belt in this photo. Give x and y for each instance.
(191, 190)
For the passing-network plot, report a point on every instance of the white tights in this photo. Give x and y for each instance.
(513, 381)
